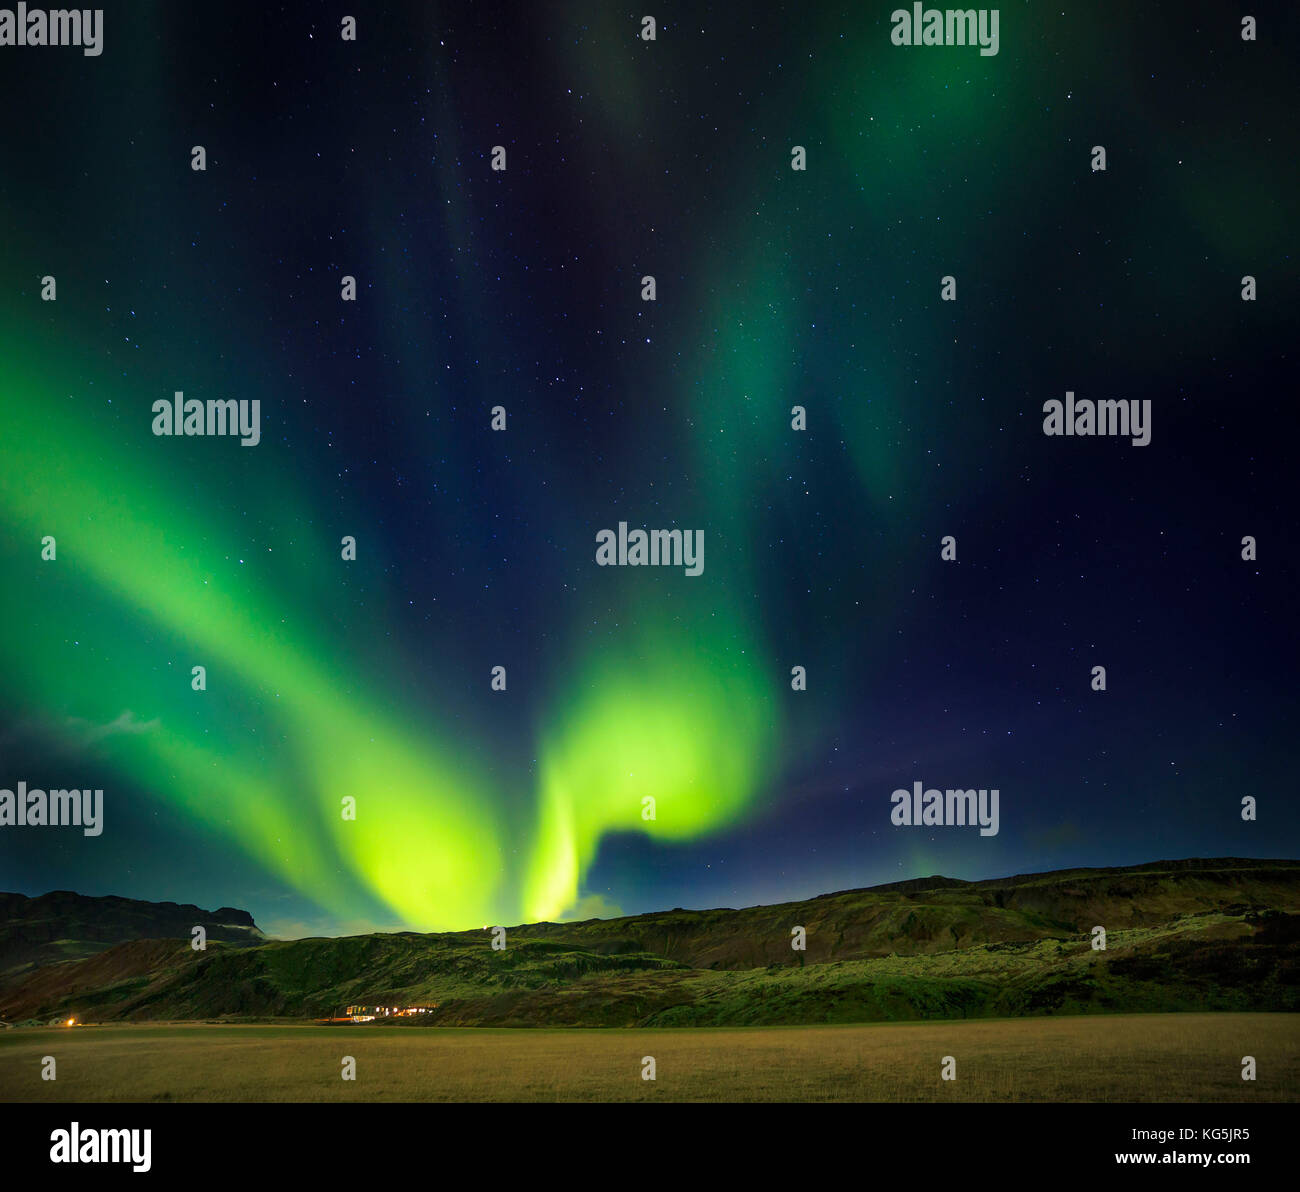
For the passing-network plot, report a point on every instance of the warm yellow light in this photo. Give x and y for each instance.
(71, 1021)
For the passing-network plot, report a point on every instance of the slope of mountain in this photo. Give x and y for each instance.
(939, 914)
(62, 925)
(1202, 934)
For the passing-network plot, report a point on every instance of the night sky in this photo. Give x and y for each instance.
(476, 548)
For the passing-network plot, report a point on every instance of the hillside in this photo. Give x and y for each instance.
(938, 914)
(1186, 935)
(62, 926)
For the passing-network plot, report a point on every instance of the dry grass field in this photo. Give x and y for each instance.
(1153, 1057)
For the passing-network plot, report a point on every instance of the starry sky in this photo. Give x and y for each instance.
(522, 289)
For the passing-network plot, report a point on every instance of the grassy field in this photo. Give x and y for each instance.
(1150, 1057)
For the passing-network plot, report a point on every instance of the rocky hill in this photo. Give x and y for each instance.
(1219, 934)
(62, 926)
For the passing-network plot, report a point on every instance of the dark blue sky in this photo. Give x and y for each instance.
(776, 288)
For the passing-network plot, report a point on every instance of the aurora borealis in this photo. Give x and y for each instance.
(369, 679)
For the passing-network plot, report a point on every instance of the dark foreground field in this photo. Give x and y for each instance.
(1151, 1057)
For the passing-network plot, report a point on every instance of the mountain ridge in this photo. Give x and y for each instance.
(64, 925)
(1201, 933)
